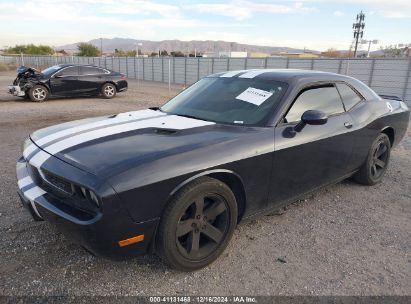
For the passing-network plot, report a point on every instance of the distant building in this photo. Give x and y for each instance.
(259, 55)
(299, 55)
(233, 54)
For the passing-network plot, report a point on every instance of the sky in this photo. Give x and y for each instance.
(317, 25)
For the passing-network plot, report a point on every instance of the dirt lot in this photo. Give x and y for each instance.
(343, 240)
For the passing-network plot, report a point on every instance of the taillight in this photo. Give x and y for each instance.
(123, 77)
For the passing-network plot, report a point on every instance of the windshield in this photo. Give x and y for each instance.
(228, 100)
(49, 71)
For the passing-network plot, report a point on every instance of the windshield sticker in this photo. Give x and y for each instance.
(254, 96)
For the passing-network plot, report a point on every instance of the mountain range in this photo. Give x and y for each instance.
(148, 46)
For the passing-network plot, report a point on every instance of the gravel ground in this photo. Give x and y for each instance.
(346, 239)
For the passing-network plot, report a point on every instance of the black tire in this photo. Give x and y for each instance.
(372, 171)
(38, 93)
(108, 90)
(184, 225)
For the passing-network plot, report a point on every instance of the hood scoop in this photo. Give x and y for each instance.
(165, 131)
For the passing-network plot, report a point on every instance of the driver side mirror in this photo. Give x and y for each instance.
(311, 117)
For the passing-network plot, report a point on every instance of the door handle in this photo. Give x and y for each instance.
(348, 125)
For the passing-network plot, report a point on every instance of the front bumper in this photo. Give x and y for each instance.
(99, 233)
(16, 91)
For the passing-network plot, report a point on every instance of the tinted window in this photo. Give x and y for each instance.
(90, 71)
(325, 99)
(71, 71)
(349, 97)
(228, 100)
(51, 70)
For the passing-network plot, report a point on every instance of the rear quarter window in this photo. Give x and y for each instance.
(349, 96)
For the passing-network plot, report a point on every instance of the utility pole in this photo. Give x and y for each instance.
(358, 28)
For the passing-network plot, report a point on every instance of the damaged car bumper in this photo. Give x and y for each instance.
(16, 91)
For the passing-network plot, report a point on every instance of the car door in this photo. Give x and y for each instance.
(65, 82)
(90, 79)
(316, 155)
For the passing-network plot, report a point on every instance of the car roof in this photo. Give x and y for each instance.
(278, 74)
(64, 65)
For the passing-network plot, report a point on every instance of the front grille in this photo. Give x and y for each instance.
(57, 182)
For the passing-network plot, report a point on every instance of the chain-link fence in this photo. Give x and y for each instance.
(385, 76)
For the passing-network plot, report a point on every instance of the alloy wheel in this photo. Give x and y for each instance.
(39, 94)
(202, 227)
(109, 91)
(379, 159)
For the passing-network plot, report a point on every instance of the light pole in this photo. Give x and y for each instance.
(374, 41)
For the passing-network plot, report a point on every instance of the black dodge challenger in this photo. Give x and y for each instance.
(176, 180)
(67, 80)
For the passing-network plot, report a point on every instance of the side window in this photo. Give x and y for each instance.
(323, 98)
(90, 71)
(71, 71)
(349, 96)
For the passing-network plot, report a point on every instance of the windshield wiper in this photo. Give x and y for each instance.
(156, 109)
(190, 116)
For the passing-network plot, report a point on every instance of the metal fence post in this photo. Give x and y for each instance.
(152, 68)
(245, 63)
(212, 65)
(288, 63)
(174, 69)
(340, 66)
(169, 76)
(162, 69)
(144, 74)
(371, 72)
(312, 64)
(265, 62)
(127, 66)
(407, 79)
(228, 63)
(198, 69)
(185, 71)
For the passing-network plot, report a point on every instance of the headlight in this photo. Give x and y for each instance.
(90, 195)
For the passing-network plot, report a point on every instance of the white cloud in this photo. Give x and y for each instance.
(142, 7)
(338, 13)
(385, 8)
(243, 9)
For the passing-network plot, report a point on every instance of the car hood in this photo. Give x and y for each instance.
(111, 144)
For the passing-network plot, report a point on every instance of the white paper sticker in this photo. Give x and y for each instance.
(254, 96)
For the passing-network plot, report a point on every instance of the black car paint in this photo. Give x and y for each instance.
(74, 85)
(266, 166)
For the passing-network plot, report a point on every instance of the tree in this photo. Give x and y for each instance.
(164, 53)
(177, 54)
(88, 50)
(332, 53)
(391, 51)
(30, 49)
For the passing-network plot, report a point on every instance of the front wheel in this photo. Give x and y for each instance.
(38, 93)
(377, 161)
(197, 224)
(108, 90)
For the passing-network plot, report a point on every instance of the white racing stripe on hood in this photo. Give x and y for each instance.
(165, 122)
(122, 117)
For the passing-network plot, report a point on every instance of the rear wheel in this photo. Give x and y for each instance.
(377, 161)
(38, 93)
(197, 224)
(108, 90)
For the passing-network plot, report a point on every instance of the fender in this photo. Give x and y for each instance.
(204, 173)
